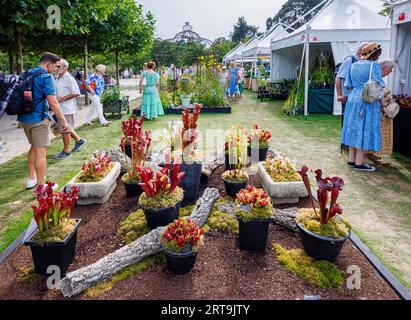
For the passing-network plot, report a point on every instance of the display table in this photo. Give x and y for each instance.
(402, 132)
(320, 100)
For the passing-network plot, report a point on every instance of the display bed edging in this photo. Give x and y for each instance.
(225, 109)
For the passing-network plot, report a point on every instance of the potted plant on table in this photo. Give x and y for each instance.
(97, 180)
(54, 241)
(254, 214)
(323, 232)
(162, 197)
(182, 141)
(181, 240)
(259, 143)
(236, 178)
(281, 180)
(140, 143)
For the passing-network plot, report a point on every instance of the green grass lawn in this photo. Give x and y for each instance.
(378, 204)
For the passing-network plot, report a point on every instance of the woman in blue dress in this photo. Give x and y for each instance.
(362, 120)
(233, 79)
(151, 105)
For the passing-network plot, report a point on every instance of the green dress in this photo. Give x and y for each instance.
(151, 104)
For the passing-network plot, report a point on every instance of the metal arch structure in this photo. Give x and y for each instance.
(188, 35)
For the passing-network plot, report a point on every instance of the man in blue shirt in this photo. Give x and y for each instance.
(36, 124)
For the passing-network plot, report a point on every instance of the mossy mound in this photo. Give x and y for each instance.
(255, 213)
(335, 228)
(135, 225)
(55, 234)
(161, 200)
(322, 274)
(131, 178)
(28, 275)
(221, 221)
(124, 274)
(238, 177)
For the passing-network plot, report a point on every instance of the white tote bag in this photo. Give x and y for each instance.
(372, 91)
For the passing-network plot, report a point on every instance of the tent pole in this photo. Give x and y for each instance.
(307, 69)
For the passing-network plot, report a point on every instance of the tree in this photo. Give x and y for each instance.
(221, 47)
(242, 31)
(293, 9)
(386, 10)
(269, 23)
(126, 29)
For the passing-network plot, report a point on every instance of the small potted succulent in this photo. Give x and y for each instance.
(182, 139)
(254, 214)
(281, 180)
(53, 243)
(181, 241)
(162, 197)
(236, 178)
(258, 143)
(140, 143)
(323, 231)
(96, 180)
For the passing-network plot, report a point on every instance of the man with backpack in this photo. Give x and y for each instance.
(36, 123)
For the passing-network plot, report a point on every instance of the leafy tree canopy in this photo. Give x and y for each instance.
(242, 31)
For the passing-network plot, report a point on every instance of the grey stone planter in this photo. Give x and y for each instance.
(281, 192)
(96, 192)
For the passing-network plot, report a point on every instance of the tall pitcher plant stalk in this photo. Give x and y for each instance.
(237, 143)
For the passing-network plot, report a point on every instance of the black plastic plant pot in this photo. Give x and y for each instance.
(260, 152)
(127, 148)
(180, 263)
(162, 217)
(191, 180)
(321, 248)
(232, 188)
(59, 253)
(133, 189)
(253, 234)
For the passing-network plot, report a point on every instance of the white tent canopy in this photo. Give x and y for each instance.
(261, 47)
(339, 27)
(233, 52)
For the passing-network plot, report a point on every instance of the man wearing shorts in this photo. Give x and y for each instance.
(36, 124)
(67, 91)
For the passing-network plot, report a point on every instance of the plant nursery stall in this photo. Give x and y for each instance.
(401, 81)
(335, 32)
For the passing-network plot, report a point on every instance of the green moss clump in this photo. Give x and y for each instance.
(221, 221)
(133, 227)
(186, 211)
(322, 274)
(54, 234)
(131, 178)
(335, 228)
(28, 275)
(255, 213)
(124, 274)
(161, 200)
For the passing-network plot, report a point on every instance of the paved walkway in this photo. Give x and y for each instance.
(13, 141)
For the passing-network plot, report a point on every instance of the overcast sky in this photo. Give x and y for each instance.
(215, 18)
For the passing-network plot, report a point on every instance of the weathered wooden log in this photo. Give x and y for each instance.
(79, 280)
(286, 218)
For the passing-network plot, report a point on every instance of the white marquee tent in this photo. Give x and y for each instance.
(229, 56)
(338, 28)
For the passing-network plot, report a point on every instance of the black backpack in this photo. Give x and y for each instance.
(16, 95)
(338, 66)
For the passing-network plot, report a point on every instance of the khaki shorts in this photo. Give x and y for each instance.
(70, 121)
(38, 134)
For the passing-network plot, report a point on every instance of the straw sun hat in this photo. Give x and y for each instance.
(369, 49)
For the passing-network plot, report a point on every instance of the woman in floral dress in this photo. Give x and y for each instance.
(151, 104)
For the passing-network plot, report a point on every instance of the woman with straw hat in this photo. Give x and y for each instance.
(362, 120)
(95, 86)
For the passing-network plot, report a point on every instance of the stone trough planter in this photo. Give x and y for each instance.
(96, 192)
(281, 192)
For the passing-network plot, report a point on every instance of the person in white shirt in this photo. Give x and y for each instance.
(67, 92)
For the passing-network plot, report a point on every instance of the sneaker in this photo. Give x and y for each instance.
(364, 167)
(88, 124)
(351, 164)
(62, 155)
(79, 145)
(30, 184)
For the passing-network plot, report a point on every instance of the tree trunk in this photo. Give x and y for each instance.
(87, 102)
(117, 72)
(11, 60)
(19, 51)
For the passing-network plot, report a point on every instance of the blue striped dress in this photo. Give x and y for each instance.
(362, 120)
